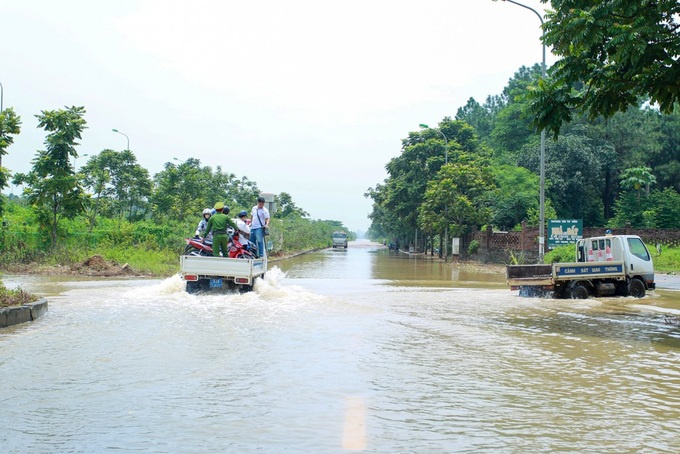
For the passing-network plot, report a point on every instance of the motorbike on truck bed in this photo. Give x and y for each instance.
(609, 265)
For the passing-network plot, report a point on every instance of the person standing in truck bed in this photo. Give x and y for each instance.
(218, 224)
(259, 224)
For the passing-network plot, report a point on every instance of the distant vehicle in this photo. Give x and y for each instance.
(339, 239)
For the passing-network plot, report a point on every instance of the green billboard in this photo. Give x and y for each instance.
(564, 231)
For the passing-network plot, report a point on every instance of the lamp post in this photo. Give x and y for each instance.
(446, 161)
(128, 139)
(541, 225)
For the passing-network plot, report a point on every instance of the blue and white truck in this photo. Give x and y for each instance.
(606, 265)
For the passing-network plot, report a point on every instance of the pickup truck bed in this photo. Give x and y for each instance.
(203, 273)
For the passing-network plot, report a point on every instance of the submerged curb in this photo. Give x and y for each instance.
(21, 314)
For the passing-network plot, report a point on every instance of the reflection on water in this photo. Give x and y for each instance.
(367, 260)
(339, 351)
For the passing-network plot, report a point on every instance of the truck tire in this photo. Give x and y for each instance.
(579, 292)
(192, 287)
(204, 285)
(636, 288)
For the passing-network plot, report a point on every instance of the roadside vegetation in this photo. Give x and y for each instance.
(147, 247)
(15, 297)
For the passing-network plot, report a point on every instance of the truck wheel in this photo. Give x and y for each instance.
(579, 292)
(636, 288)
(192, 287)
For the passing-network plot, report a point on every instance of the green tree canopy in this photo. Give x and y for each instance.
(613, 53)
(287, 208)
(186, 189)
(455, 198)
(118, 182)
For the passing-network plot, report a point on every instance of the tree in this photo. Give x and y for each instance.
(455, 198)
(516, 197)
(118, 182)
(186, 189)
(287, 208)
(52, 187)
(397, 202)
(637, 178)
(574, 169)
(613, 54)
(179, 190)
(10, 124)
(667, 163)
(512, 127)
(659, 210)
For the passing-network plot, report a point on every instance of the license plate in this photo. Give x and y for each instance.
(215, 283)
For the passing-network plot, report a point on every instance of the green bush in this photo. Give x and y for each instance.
(566, 253)
(473, 247)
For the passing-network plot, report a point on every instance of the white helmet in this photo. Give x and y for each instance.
(207, 211)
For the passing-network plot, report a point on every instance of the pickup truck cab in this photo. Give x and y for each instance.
(605, 265)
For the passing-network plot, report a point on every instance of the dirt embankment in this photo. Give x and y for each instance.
(93, 266)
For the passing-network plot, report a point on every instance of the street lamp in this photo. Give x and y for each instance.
(128, 139)
(446, 207)
(541, 225)
(446, 141)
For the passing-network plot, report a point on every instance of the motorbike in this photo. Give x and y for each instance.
(240, 251)
(195, 246)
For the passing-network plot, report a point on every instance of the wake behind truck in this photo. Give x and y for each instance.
(605, 266)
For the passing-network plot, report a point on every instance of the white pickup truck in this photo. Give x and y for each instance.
(605, 265)
(204, 273)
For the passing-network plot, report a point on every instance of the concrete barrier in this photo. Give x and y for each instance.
(21, 314)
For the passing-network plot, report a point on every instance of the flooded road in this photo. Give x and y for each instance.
(355, 350)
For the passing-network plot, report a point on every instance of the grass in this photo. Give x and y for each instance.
(14, 297)
(668, 261)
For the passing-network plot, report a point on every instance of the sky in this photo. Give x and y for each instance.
(308, 97)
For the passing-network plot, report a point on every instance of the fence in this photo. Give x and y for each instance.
(526, 240)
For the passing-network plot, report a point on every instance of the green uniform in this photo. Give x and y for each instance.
(218, 224)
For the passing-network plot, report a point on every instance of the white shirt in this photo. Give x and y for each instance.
(258, 217)
(243, 227)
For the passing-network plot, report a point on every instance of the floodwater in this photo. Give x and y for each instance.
(357, 350)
